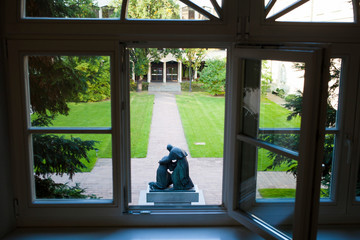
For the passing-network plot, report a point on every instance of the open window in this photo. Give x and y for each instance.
(275, 155)
(177, 97)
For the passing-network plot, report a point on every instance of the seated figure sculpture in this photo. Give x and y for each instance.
(180, 177)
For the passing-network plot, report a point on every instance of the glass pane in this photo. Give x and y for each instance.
(261, 186)
(164, 9)
(276, 176)
(279, 6)
(331, 124)
(321, 11)
(72, 166)
(164, 112)
(273, 96)
(73, 8)
(69, 91)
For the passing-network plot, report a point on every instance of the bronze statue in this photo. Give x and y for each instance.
(176, 162)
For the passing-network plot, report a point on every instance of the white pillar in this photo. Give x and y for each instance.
(179, 71)
(100, 13)
(133, 72)
(149, 73)
(164, 72)
(195, 74)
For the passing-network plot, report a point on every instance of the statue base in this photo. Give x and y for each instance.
(192, 196)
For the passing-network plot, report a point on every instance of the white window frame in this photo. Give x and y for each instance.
(31, 36)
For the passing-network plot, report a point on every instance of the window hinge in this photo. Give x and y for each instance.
(16, 207)
(243, 28)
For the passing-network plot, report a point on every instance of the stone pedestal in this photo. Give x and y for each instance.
(179, 197)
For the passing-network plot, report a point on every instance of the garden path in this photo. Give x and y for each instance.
(166, 128)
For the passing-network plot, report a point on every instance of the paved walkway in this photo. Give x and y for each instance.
(166, 128)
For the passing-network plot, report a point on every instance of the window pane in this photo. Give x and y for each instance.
(276, 186)
(276, 176)
(72, 166)
(73, 8)
(166, 112)
(69, 91)
(331, 125)
(165, 9)
(274, 98)
(318, 11)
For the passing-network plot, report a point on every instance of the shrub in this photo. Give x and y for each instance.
(213, 76)
(47, 188)
(195, 86)
(133, 86)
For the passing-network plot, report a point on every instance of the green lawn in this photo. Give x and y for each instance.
(286, 193)
(277, 192)
(141, 107)
(273, 115)
(202, 117)
(97, 114)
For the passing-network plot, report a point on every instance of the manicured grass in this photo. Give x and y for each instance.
(141, 108)
(285, 193)
(98, 114)
(202, 117)
(273, 115)
(277, 192)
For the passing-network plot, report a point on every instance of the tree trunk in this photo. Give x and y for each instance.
(139, 84)
(190, 78)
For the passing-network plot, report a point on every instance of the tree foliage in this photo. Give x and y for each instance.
(294, 104)
(61, 8)
(141, 58)
(54, 81)
(148, 9)
(213, 76)
(192, 58)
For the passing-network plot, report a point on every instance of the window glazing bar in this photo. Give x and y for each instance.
(68, 130)
(217, 8)
(292, 130)
(286, 10)
(269, 6)
(271, 147)
(199, 9)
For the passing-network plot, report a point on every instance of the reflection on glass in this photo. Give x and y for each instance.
(192, 121)
(274, 99)
(317, 11)
(327, 165)
(73, 8)
(276, 176)
(267, 177)
(331, 124)
(72, 166)
(69, 91)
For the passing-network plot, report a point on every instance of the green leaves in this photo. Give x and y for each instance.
(58, 155)
(213, 76)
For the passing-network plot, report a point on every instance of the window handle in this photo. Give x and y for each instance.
(349, 150)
